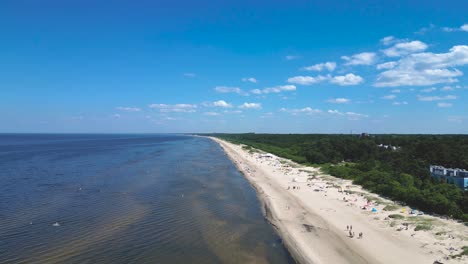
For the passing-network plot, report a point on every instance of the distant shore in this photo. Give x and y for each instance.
(314, 214)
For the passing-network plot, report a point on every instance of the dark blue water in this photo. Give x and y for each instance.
(127, 199)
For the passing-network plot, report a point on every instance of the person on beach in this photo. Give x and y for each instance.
(347, 228)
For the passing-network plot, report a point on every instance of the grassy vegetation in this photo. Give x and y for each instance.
(396, 216)
(423, 227)
(463, 253)
(391, 207)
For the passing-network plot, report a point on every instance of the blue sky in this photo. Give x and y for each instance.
(234, 66)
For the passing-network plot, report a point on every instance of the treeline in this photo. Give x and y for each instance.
(399, 171)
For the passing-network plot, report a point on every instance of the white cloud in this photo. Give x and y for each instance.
(190, 75)
(444, 105)
(305, 110)
(400, 103)
(250, 79)
(388, 40)
(422, 69)
(334, 112)
(464, 27)
(348, 79)
(219, 103)
(436, 98)
(396, 91)
(256, 91)
(233, 111)
(222, 103)
(211, 114)
(350, 115)
(339, 100)
(405, 48)
(307, 80)
(178, 108)
(291, 57)
(276, 89)
(424, 30)
(331, 66)
(448, 29)
(429, 90)
(226, 89)
(116, 116)
(128, 109)
(387, 65)
(250, 106)
(364, 58)
(389, 97)
(355, 116)
(447, 88)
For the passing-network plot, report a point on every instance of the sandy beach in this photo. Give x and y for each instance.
(320, 217)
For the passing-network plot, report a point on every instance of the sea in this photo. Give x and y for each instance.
(146, 198)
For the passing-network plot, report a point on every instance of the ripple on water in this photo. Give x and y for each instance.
(178, 201)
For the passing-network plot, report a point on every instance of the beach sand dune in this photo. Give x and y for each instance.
(314, 214)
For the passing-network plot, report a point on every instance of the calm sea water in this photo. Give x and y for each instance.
(127, 199)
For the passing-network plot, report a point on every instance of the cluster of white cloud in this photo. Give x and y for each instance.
(305, 110)
(405, 48)
(307, 80)
(342, 80)
(387, 65)
(348, 79)
(276, 89)
(350, 115)
(463, 27)
(219, 103)
(226, 89)
(128, 109)
(436, 98)
(364, 58)
(339, 100)
(178, 108)
(388, 40)
(249, 79)
(251, 106)
(424, 69)
(401, 62)
(311, 111)
(329, 65)
(211, 113)
(192, 108)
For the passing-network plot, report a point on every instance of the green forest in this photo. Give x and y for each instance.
(399, 172)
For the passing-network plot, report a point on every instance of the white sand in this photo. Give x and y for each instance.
(312, 220)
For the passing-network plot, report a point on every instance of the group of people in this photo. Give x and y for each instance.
(294, 187)
(349, 228)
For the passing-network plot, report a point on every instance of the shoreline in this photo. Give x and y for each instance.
(312, 219)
